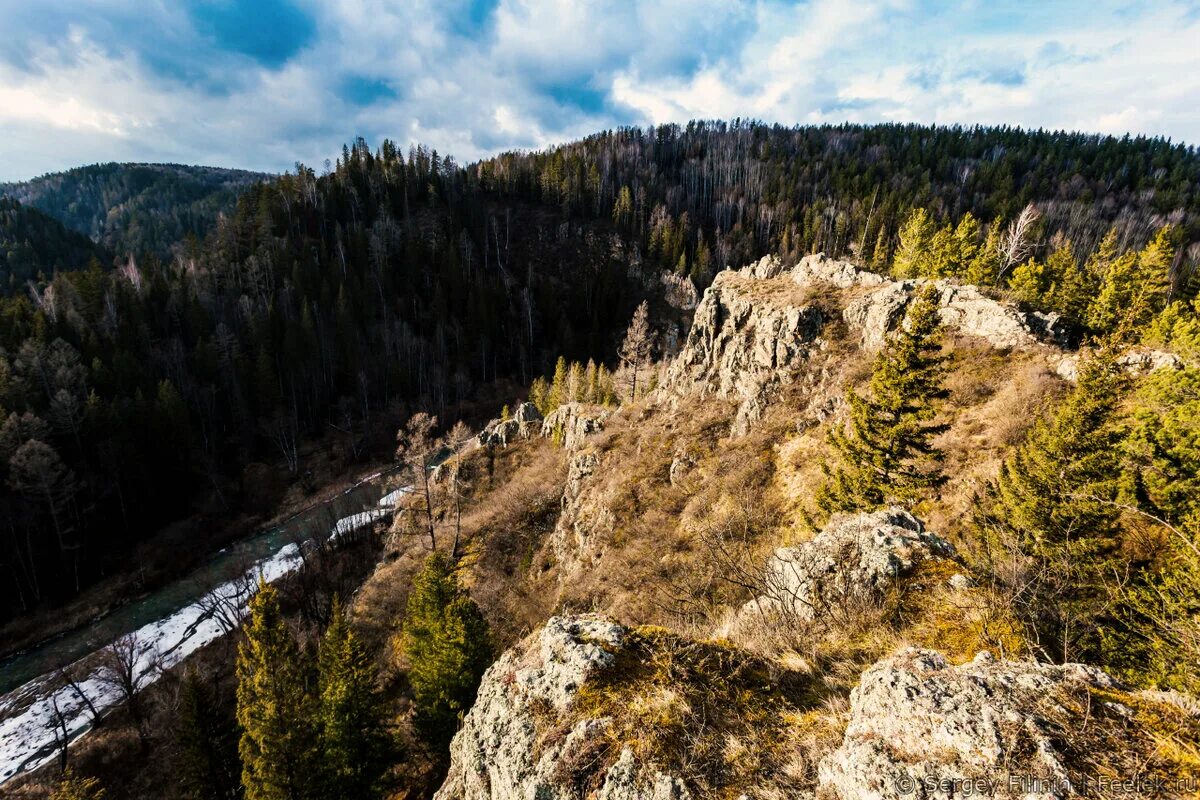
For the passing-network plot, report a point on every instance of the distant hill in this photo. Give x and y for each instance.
(136, 208)
(33, 243)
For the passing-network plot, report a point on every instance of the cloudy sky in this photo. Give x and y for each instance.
(261, 84)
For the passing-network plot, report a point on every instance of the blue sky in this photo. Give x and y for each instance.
(261, 84)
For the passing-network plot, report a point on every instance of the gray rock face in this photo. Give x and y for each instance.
(752, 334)
(962, 308)
(742, 346)
(574, 422)
(501, 752)
(577, 527)
(919, 724)
(854, 559)
(525, 423)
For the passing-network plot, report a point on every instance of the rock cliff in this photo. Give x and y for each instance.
(506, 750)
(757, 329)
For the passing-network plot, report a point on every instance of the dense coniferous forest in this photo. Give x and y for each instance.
(136, 208)
(33, 246)
(399, 280)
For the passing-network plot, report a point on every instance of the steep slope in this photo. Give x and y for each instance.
(136, 208)
(726, 665)
(33, 244)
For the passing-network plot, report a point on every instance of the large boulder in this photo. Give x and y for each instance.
(855, 559)
(921, 727)
(504, 750)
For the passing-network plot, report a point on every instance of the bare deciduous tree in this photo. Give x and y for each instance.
(125, 664)
(417, 450)
(639, 341)
(1017, 242)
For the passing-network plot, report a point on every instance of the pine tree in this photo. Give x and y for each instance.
(1030, 283)
(591, 391)
(558, 387)
(915, 238)
(888, 454)
(1069, 292)
(575, 382)
(984, 268)
(273, 707)
(208, 766)
(880, 255)
(352, 733)
(1053, 498)
(446, 642)
(539, 395)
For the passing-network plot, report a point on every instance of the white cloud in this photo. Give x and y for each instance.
(540, 71)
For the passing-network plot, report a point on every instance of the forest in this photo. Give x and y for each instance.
(135, 394)
(136, 208)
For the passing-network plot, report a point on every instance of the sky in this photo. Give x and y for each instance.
(262, 84)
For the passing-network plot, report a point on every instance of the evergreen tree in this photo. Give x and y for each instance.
(353, 736)
(558, 387)
(1053, 498)
(915, 238)
(208, 763)
(888, 454)
(274, 708)
(446, 642)
(539, 395)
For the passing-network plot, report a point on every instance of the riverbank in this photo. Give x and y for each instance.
(59, 706)
(171, 554)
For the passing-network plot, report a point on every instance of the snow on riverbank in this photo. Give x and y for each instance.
(32, 717)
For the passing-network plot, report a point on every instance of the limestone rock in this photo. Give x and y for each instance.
(524, 424)
(574, 422)
(918, 724)
(577, 527)
(962, 308)
(743, 346)
(853, 559)
(502, 751)
(1135, 361)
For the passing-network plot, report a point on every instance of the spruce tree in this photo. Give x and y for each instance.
(558, 387)
(207, 739)
(915, 238)
(1054, 499)
(274, 710)
(887, 456)
(446, 642)
(352, 732)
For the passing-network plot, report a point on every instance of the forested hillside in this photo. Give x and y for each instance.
(712, 194)
(136, 208)
(332, 304)
(33, 246)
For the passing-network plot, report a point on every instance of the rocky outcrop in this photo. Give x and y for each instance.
(503, 751)
(525, 423)
(1136, 361)
(572, 423)
(920, 727)
(581, 526)
(853, 560)
(744, 344)
(758, 328)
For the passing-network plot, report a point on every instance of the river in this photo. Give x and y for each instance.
(167, 625)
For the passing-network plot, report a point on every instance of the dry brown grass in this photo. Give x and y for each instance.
(720, 719)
